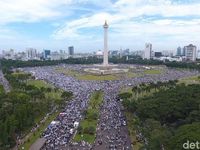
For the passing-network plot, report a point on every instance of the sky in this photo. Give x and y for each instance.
(57, 24)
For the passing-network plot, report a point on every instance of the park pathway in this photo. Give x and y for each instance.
(4, 82)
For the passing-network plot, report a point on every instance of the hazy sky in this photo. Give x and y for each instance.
(57, 24)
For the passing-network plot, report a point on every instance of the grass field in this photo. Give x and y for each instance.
(68, 72)
(190, 80)
(39, 83)
(90, 122)
(131, 75)
(87, 76)
(97, 77)
(152, 71)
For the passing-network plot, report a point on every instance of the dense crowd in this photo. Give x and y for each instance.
(112, 132)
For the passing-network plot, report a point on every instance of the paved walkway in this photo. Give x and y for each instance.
(4, 82)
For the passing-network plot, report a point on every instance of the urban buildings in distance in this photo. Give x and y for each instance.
(185, 53)
(148, 51)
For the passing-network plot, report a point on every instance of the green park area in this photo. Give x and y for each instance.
(51, 92)
(150, 115)
(87, 128)
(30, 101)
(86, 76)
(39, 84)
(152, 71)
(190, 80)
(81, 75)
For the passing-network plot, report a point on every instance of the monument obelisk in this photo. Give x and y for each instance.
(105, 68)
(105, 54)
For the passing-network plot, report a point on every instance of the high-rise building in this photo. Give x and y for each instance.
(31, 53)
(158, 54)
(178, 52)
(8, 54)
(191, 52)
(47, 54)
(71, 50)
(148, 51)
(198, 54)
(183, 51)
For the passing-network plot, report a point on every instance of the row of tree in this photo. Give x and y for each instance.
(168, 117)
(20, 108)
(5, 64)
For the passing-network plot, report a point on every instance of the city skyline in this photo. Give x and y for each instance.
(55, 24)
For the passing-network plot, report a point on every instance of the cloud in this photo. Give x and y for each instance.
(149, 20)
(131, 21)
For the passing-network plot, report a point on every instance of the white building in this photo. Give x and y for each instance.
(8, 54)
(191, 52)
(99, 54)
(58, 56)
(31, 53)
(148, 51)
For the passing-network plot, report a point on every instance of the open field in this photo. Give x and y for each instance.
(89, 123)
(50, 95)
(152, 71)
(190, 80)
(39, 83)
(86, 76)
(97, 77)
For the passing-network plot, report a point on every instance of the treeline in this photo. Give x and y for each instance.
(33, 63)
(135, 60)
(5, 64)
(167, 118)
(20, 108)
(183, 65)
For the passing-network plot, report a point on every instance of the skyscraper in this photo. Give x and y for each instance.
(148, 51)
(190, 52)
(178, 52)
(31, 53)
(71, 50)
(47, 54)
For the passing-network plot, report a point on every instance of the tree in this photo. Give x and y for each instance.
(189, 132)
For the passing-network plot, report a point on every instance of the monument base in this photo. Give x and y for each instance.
(105, 70)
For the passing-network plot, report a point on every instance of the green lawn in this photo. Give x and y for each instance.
(190, 80)
(93, 108)
(39, 83)
(131, 75)
(36, 135)
(68, 72)
(97, 77)
(86, 137)
(152, 71)
(87, 76)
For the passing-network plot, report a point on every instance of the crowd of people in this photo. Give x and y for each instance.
(111, 131)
